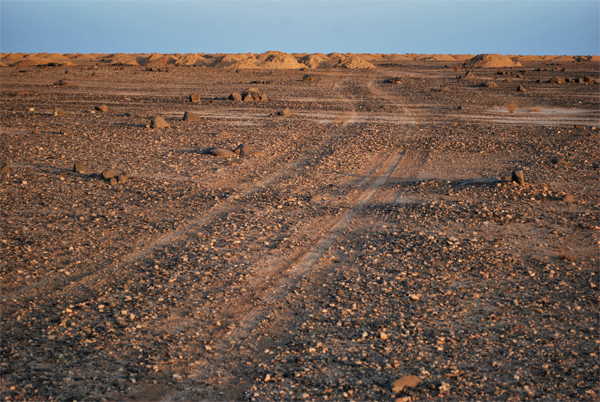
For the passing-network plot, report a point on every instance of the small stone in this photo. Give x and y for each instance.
(159, 122)
(113, 181)
(406, 381)
(557, 80)
(66, 130)
(122, 178)
(569, 198)
(404, 399)
(521, 88)
(559, 161)
(247, 150)
(444, 388)
(189, 116)
(59, 112)
(267, 377)
(517, 177)
(309, 77)
(35, 131)
(285, 112)
(220, 152)
(383, 336)
(79, 167)
(235, 97)
(62, 83)
(102, 108)
(4, 167)
(108, 174)
(194, 98)
(490, 84)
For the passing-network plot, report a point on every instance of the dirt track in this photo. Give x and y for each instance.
(347, 256)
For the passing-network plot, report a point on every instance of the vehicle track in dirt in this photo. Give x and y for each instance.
(289, 272)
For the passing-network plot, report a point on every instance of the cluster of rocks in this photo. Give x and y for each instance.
(109, 175)
(240, 150)
(581, 80)
(250, 94)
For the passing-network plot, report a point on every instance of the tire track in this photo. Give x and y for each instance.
(293, 271)
(98, 275)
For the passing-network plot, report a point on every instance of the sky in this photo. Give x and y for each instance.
(543, 27)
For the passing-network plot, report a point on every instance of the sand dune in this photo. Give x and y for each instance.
(274, 60)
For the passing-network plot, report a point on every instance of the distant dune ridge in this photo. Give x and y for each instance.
(273, 60)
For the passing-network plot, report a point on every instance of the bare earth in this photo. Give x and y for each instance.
(348, 255)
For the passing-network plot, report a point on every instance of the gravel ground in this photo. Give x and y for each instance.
(351, 253)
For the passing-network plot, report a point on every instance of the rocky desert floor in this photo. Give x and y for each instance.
(378, 235)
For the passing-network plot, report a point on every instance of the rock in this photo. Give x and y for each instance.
(62, 83)
(407, 381)
(102, 108)
(481, 181)
(521, 88)
(403, 399)
(222, 134)
(235, 97)
(113, 181)
(559, 161)
(490, 84)
(4, 167)
(444, 89)
(568, 198)
(159, 122)
(189, 116)
(59, 112)
(394, 80)
(122, 178)
(253, 94)
(247, 150)
(517, 177)
(285, 112)
(79, 167)
(66, 130)
(35, 131)
(194, 98)
(250, 97)
(309, 77)
(24, 93)
(557, 80)
(220, 152)
(108, 174)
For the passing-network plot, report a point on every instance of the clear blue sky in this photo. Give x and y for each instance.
(392, 26)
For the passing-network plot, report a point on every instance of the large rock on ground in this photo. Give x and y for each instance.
(236, 96)
(189, 116)
(247, 150)
(159, 122)
(220, 152)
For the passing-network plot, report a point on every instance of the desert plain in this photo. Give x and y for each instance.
(390, 227)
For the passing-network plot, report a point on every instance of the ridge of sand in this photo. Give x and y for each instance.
(493, 60)
(436, 57)
(275, 59)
